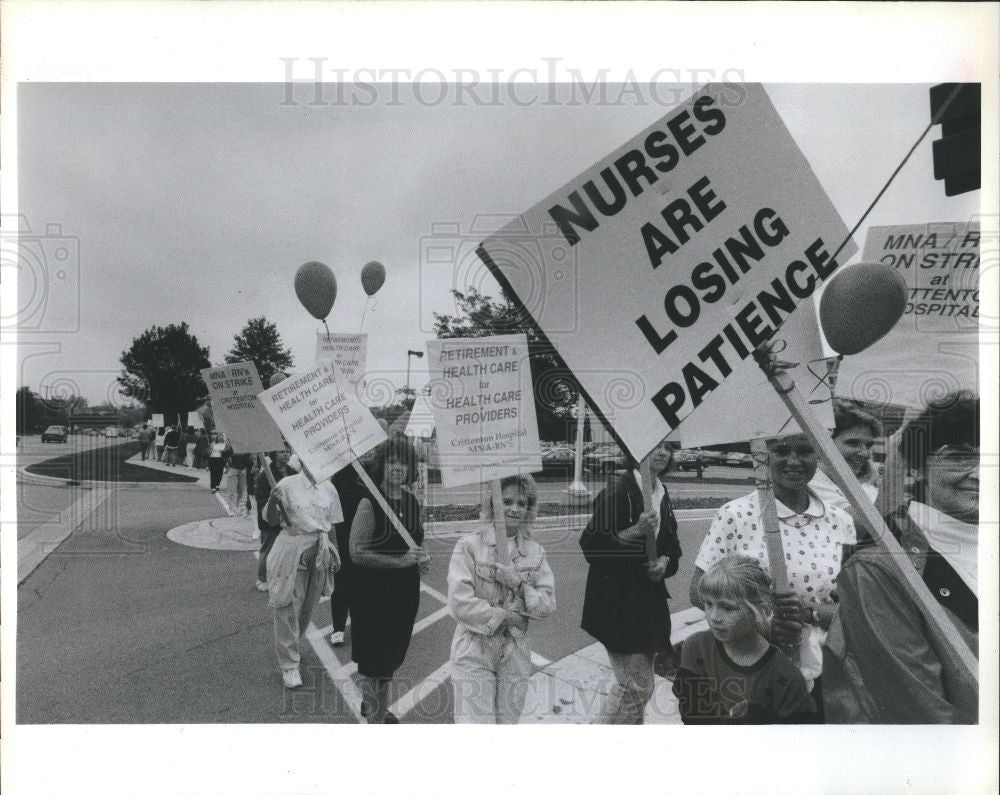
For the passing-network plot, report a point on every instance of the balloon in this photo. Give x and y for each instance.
(316, 287)
(373, 277)
(276, 378)
(861, 305)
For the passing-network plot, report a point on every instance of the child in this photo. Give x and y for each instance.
(732, 674)
(490, 653)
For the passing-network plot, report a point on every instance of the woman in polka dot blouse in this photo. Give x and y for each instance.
(813, 537)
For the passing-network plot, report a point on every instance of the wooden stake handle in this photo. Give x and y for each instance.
(938, 624)
(377, 496)
(646, 473)
(769, 517)
(500, 523)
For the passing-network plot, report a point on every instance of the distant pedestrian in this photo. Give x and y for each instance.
(239, 466)
(160, 443)
(201, 445)
(151, 444)
(492, 603)
(189, 444)
(143, 439)
(170, 440)
(218, 454)
(301, 563)
(262, 490)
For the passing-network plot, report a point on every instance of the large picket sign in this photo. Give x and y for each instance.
(934, 348)
(349, 351)
(657, 271)
(233, 389)
(322, 419)
(484, 408)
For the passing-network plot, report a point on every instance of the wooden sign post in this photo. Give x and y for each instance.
(646, 473)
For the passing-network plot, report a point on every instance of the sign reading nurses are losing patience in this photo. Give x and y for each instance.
(934, 348)
(657, 271)
(323, 421)
(484, 408)
(233, 389)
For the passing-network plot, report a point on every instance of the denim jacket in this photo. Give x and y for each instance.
(475, 599)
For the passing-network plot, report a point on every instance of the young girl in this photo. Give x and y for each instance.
(732, 674)
(492, 603)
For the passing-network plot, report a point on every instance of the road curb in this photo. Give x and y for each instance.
(49, 480)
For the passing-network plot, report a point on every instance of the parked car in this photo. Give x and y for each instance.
(54, 433)
(739, 460)
(558, 461)
(111, 433)
(605, 458)
(687, 460)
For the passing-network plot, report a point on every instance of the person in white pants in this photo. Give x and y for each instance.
(302, 562)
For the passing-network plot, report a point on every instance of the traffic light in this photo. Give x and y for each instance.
(956, 154)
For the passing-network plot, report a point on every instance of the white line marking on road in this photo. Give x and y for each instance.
(224, 503)
(433, 618)
(436, 594)
(339, 674)
(424, 688)
(539, 660)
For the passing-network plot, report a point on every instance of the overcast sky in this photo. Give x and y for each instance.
(198, 202)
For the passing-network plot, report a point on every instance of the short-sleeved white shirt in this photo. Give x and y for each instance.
(813, 543)
(310, 508)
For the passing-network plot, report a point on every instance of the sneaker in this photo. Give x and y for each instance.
(214, 491)
(261, 585)
(292, 678)
(337, 639)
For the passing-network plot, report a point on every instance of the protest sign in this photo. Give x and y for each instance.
(156, 421)
(420, 423)
(717, 422)
(321, 418)
(233, 389)
(484, 408)
(657, 271)
(195, 421)
(934, 348)
(349, 351)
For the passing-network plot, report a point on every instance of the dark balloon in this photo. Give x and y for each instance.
(373, 277)
(316, 287)
(861, 305)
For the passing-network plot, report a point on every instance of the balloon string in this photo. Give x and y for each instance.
(343, 418)
(934, 120)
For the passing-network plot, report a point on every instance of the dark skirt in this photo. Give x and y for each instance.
(384, 606)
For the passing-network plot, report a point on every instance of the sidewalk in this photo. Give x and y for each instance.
(201, 474)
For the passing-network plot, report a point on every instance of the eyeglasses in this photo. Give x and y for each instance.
(958, 457)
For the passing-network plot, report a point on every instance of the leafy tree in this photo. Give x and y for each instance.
(260, 343)
(556, 391)
(29, 410)
(163, 369)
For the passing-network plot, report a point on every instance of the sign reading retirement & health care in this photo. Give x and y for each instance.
(321, 418)
(658, 271)
(233, 389)
(484, 408)
(349, 351)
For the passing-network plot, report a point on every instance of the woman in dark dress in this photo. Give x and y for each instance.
(386, 578)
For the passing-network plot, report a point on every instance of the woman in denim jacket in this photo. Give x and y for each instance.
(492, 603)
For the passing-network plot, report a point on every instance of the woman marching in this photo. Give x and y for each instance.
(492, 603)
(885, 666)
(625, 606)
(386, 586)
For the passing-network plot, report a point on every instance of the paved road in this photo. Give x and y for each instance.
(122, 625)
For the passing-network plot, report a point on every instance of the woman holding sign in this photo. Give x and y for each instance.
(492, 603)
(884, 665)
(625, 605)
(813, 535)
(386, 586)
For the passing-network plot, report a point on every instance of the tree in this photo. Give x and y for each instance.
(163, 369)
(29, 411)
(260, 343)
(556, 390)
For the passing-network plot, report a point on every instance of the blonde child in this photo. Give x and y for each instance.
(492, 603)
(732, 674)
